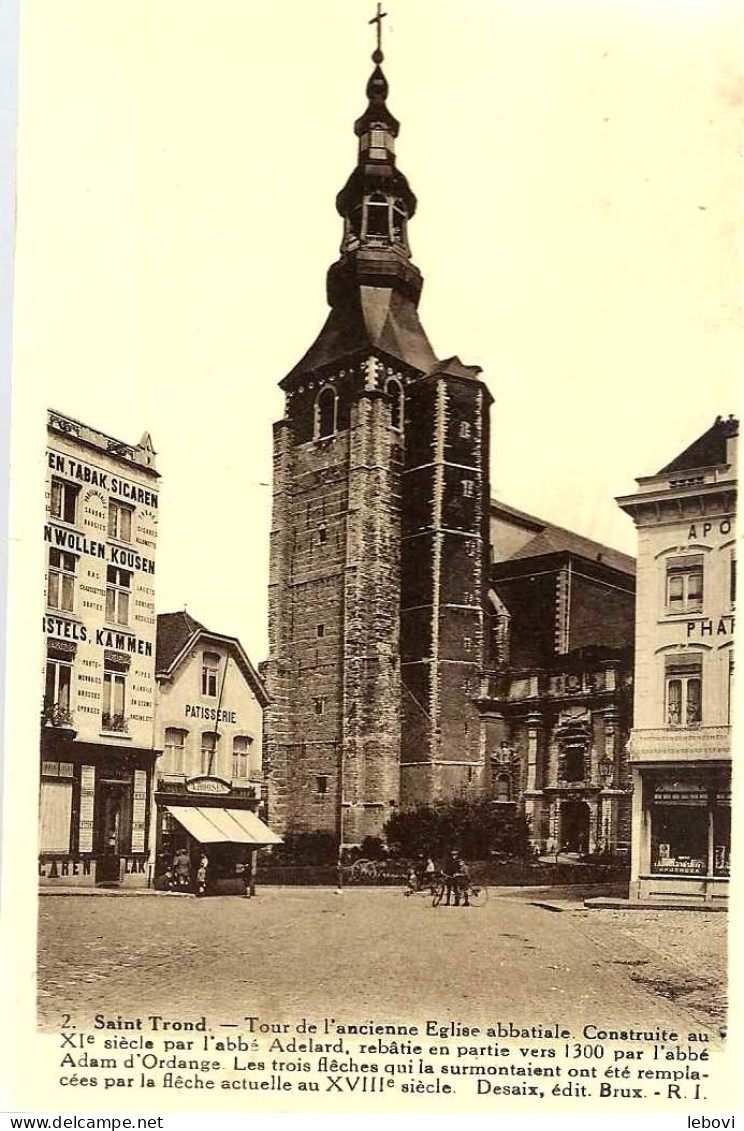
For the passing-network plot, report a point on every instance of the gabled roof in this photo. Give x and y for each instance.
(709, 450)
(178, 633)
(173, 632)
(552, 539)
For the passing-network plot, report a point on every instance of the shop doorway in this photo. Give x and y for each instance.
(113, 804)
(575, 819)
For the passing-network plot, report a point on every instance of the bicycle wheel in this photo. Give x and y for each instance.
(438, 894)
(478, 895)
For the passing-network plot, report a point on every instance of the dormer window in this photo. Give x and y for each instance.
(394, 389)
(325, 413)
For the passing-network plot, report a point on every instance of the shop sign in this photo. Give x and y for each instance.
(133, 867)
(138, 811)
(680, 793)
(210, 714)
(208, 785)
(724, 626)
(56, 869)
(87, 798)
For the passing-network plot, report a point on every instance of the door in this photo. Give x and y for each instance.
(110, 829)
(575, 818)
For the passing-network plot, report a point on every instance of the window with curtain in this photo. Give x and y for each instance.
(241, 757)
(209, 753)
(114, 701)
(210, 674)
(175, 750)
(684, 690)
(119, 521)
(61, 580)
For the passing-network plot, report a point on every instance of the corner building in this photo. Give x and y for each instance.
(98, 709)
(379, 542)
(680, 745)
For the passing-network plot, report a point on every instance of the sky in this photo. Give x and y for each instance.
(578, 174)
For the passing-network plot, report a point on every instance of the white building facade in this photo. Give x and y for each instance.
(98, 708)
(208, 784)
(680, 746)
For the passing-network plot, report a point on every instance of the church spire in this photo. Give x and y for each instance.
(373, 288)
(376, 202)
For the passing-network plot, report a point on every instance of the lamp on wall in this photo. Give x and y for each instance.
(606, 772)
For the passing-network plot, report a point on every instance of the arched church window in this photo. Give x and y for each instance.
(325, 413)
(378, 223)
(574, 766)
(394, 389)
(502, 787)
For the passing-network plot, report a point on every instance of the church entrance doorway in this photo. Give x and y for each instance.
(575, 817)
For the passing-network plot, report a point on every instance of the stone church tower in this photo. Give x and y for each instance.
(379, 541)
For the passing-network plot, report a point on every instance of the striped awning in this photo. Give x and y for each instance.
(223, 826)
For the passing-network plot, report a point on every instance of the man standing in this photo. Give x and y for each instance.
(456, 879)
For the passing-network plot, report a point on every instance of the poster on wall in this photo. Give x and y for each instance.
(401, 347)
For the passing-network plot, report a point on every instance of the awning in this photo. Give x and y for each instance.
(223, 826)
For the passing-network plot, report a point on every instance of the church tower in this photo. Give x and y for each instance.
(379, 541)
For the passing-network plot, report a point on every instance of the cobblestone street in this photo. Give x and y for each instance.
(371, 953)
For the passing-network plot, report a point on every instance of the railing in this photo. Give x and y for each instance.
(671, 744)
(52, 714)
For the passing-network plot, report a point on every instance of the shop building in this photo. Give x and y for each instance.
(209, 726)
(556, 699)
(680, 747)
(97, 727)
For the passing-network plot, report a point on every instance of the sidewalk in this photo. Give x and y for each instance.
(72, 889)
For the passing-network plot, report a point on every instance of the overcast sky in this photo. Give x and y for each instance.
(577, 169)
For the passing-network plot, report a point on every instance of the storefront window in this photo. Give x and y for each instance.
(679, 828)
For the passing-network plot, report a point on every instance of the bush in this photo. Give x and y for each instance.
(372, 848)
(306, 848)
(478, 828)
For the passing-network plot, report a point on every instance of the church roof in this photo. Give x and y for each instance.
(374, 319)
(552, 539)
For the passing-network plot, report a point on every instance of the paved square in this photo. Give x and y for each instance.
(371, 953)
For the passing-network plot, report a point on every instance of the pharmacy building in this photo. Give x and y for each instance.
(97, 717)
(680, 746)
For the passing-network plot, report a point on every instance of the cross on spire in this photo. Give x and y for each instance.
(378, 20)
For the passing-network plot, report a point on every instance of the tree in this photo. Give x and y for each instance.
(478, 827)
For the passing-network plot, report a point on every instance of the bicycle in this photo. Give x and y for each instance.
(476, 893)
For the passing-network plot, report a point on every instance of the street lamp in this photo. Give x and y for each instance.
(606, 773)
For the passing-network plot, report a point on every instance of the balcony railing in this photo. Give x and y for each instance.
(118, 724)
(677, 744)
(54, 715)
